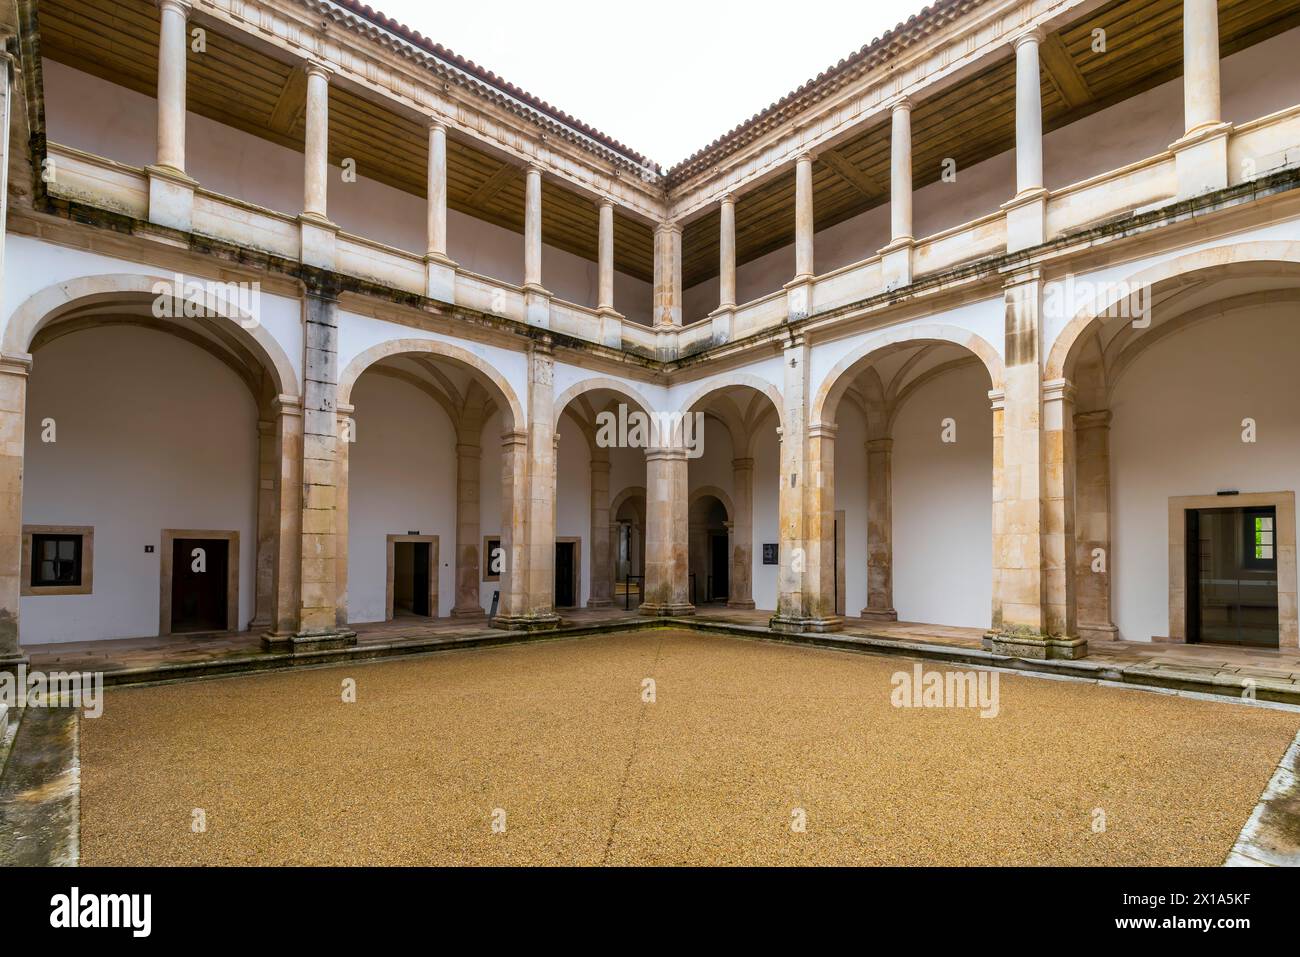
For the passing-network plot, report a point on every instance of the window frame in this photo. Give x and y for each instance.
(1249, 559)
(30, 535)
(488, 574)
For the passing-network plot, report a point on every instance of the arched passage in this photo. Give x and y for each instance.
(1182, 446)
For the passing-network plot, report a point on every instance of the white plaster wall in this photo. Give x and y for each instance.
(401, 478)
(943, 503)
(489, 499)
(713, 467)
(573, 497)
(1139, 127)
(851, 497)
(152, 433)
(1177, 431)
(90, 114)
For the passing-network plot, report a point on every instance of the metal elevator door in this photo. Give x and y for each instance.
(1232, 576)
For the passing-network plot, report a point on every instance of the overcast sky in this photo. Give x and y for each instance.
(665, 78)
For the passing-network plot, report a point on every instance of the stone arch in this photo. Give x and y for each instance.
(846, 370)
(715, 492)
(1237, 259)
(737, 380)
(509, 403)
(54, 302)
(624, 389)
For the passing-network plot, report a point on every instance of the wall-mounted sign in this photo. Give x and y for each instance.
(770, 552)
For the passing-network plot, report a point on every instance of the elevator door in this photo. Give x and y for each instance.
(1232, 576)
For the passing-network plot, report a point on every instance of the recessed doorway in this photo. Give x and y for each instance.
(199, 572)
(566, 572)
(1232, 576)
(412, 576)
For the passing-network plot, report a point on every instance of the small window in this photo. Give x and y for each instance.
(1261, 544)
(493, 558)
(57, 560)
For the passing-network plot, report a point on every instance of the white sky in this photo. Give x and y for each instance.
(665, 78)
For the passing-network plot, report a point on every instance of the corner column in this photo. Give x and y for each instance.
(880, 531)
(1092, 525)
(1027, 211)
(667, 534)
(14, 369)
(171, 192)
(440, 270)
(1201, 153)
(741, 591)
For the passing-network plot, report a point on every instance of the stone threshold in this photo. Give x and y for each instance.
(1156, 676)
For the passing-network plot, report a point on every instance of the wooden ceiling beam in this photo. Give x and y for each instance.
(1063, 73)
(291, 102)
(493, 185)
(851, 174)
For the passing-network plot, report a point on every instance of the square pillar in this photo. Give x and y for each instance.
(880, 531)
(1092, 526)
(667, 533)
(14, 369)
(602, 557)
(514, 538)
(287, 527)
(819, 498)
(469, 456)
(741, 592)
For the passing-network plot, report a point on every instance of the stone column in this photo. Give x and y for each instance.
(468, 570)
(321, 544)
(1030, 531)
(727, 253)
(1058, 509)
(287, 566)
(171, 192)
(1200, 64)
(1201, 154)
(1026, 213)
(997, 401)
(318, 233)
(514, 536)
(819, 498)
(268, 470)
(667, 532)
(605, 253)
(14, 370)
(741, 594)
(880, 531)
(803, 217)
(173, 15)
(345, 430)
(896, 258)
(602, 558)
(440, 270)
(537, 300)
(1092, 526)
(668, 275)
(535, 602)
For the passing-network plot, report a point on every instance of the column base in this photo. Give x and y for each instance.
(745, 604)
(1201, 160)
(669, 610)
(720, 324)
(611, 327)
(318, 239)
(1098, 632)
(171, 198)
(599, 602)
(468, 612)
(317, 641)
(1026, 219)
(547, 622)
(879, 614)
(537, 306)
(1027, 644)
(896, 263)
(793, 626)
(439, 277)
(798, 297)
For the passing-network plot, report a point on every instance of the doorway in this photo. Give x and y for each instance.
(1232, 581)
(719, 567)
(566, 573)
(412, 588)
(200, 574)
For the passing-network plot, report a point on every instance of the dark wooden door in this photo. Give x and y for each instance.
(199, 584)
(420, 578)
(719, 568)
(566, 578)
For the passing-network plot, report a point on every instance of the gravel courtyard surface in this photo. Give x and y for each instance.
(740, 735)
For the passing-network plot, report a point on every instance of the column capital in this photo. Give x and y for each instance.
(514, 438)
(900, 102)
(879, 445)
(287, 405)
(532, 168)
(316, 68)
(435, 123)
(1055, 390)
(998, 399)
(468, 450)
(742, 464)
(606, 201)
(600, 465)
(665, 452)
(668, 227)
(183, 7)
(823, 430)
(727, 199)
(1098, 419)
(1033, 35)
(15, 363)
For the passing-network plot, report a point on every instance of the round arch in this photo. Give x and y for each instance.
(846, 370)
(52, 303)
(1240, 259)
(593, 384)
(394, 347)
(706, 491)
(737, 380)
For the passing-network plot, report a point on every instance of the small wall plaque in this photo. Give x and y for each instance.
(770, 553)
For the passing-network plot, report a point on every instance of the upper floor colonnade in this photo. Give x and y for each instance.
(1027, 218)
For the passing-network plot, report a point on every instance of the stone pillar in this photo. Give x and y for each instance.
(171, 192)
(514, 537)
(896, 258)
(537, 300)
(468, 570)
(1058, 509)
(287, 529)
(535, 602)
(997, 400)
(803, 217)
(440, 270)
(1092, 526)
(727, 253)
(321, 546)
(819, 498)
(1026, 213)
(741, 592)
(880, 531)
(345, 429)
(14, 370)
(605, 254)
(318, 233)
(668, 275)
(667, 533)
(602, 557)
(268, 470)
(1031, 524)
(1201, 154)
